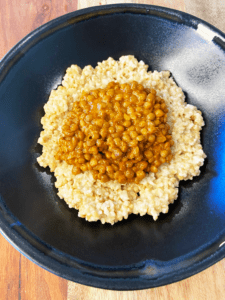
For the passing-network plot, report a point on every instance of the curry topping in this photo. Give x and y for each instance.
(118, 133)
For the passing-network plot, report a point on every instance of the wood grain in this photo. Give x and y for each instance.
(37, 283)
(176, 4)
(9, 270)
(18, 18)
(211, 11)
(21, 279)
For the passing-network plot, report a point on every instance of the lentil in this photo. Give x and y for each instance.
(127, 137)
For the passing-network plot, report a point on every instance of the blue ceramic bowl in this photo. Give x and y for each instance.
(136, 253)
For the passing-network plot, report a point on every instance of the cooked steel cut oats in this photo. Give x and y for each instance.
(111, 199)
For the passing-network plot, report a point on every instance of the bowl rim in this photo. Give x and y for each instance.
(13, 230)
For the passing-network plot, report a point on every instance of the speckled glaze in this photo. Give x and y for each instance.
(136, 253)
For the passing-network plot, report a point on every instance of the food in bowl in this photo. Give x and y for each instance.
(119, 139)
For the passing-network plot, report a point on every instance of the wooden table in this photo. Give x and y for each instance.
(22, 279)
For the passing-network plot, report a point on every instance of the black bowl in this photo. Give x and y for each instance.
(136, 253)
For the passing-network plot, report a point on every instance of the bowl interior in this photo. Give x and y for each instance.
(27, 190)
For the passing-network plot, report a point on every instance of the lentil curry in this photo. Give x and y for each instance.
(119, 132)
